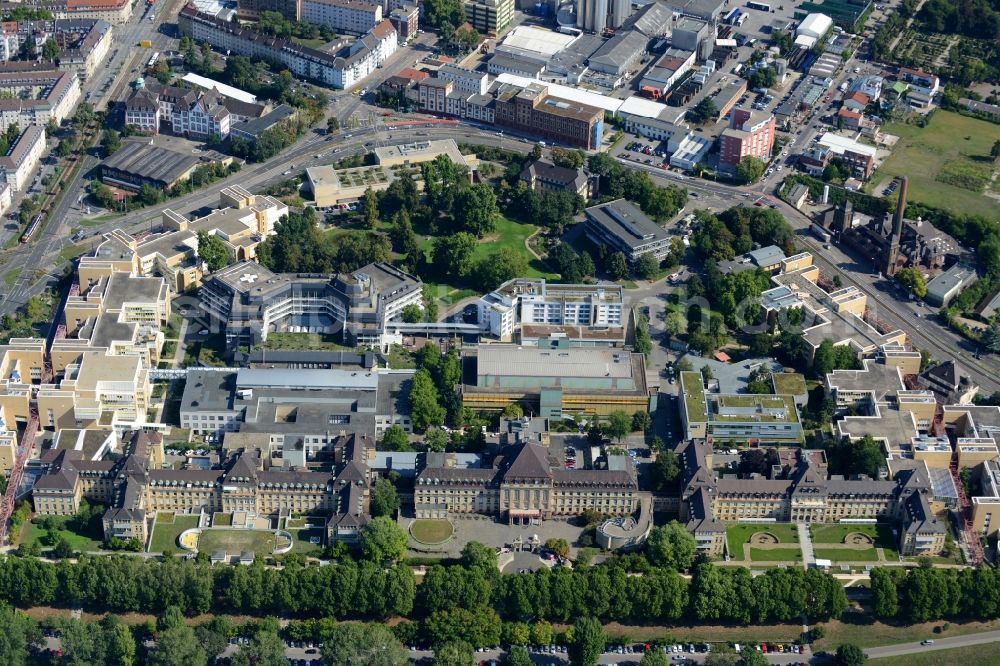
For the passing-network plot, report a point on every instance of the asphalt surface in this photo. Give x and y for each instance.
(38, 258)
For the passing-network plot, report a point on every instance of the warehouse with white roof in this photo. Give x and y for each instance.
(812, 28)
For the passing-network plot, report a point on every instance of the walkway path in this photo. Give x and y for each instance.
(176, 361)
(527, 244)
(806, 544)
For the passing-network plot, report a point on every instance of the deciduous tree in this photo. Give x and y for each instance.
(384, 498)
(618, 266)
(367, 644)
(212, 250)
(382, 539)
(619, 425)
(588, 642)
(671, 546)
(425, 411)
(750, 169)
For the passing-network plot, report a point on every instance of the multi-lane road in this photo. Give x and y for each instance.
(40, 257)
(38, 261)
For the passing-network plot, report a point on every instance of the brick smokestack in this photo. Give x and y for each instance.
(897, 220)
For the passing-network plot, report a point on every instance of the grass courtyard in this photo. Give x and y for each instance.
(737, 535)
(302, 540)
(33, 532)
(846, 554)
(261, 542)
(431, 531)
(775, 554)
(509, 234)
(167, 528)
(880, 534)
(947, 162)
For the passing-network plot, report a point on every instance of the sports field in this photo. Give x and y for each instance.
(236, 541)
(948, 163)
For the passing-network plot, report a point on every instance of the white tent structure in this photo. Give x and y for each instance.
(814, 25)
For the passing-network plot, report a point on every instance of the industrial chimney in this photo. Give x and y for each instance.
(897, 220)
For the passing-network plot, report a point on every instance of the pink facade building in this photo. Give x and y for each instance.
(750, 133)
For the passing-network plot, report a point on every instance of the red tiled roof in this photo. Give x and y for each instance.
(412, 74)
(383, 29)
(94, 4)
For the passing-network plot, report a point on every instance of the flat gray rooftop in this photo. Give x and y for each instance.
(512, 361)
(299, 378)
(881, 379)
(208, 390)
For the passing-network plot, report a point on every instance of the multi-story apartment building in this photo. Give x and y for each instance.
(531, 109)
(242, 222)
(251, 9)
(531, 310)
(249, 301)
(466, 80)
(36, 97)
(10, 44)
(405, 19)
(524, 485)
(750, 134)
(490, 17)
(346, 64)
(354, 17)
(83, 43)
(433, 94)
(116, 12)
(857, 156)
(22, 158)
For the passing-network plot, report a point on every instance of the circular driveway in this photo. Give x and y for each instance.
(522, 561)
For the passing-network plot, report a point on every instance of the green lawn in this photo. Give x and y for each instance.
(973, 655)
(165, 534)
(236, 541)
(775, 555)
(220, 519)
(301, 542)
(401, 358)
(81, 542)
(737, 535)
(10, 277)
(953, 150)
(508, 233)
(73, 251)
(836, 533)
(847, 554)
(304, 342)
(868, 634)
(513, 235)
(431, 531)
(310, 43)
